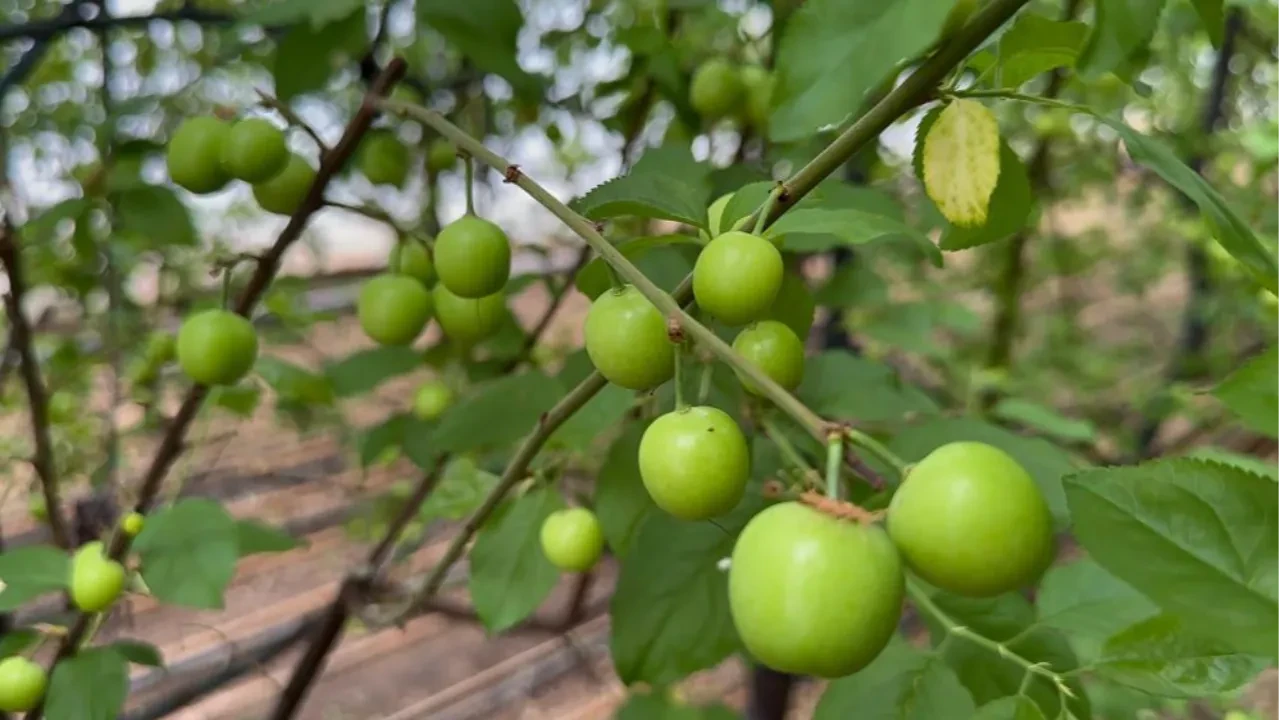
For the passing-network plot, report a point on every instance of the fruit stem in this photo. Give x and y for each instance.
(921, 598)
(614, 280)
(767, 209)
(876, 448)
(704, 382)
(471, 176)
(835, 457)
(226, 287)
(678, 379)
(788, 450)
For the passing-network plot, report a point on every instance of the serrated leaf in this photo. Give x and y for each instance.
(962, 162)
(1008, 619)
(189, 553)
(1197, 538)
(670, 611)
(1046, 462)
(903, 683)
(500, 413)
(1160, 657)
(155, 213)
(138, 653)
(1121, 29)
(1251, 393)
(1248, 463)
(1016, 707)
(644, 195)
(90, 685)
(253, 537)
(823, 39)
(1044, 419)
(293, 383)
(1231, 232)
(30, 572)
(1035, 44)
(1089, 605)
(510, 577)
(593, 279)
(621, 502)
(840, 385)
(461, 490)
(364, 370)
(809, 230)
(306, 57)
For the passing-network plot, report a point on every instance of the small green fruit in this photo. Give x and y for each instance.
(393, 309)
(758, 84)
(194, 155)
(284, 193)
(162, 348)
(217, 347)
(694, 462)
(775, 349)
(96, 580)
(737, 276)
(572, 539)
(22, 684)
(383, 159)
(414, 261)
(432, 399)
(626, 339)
(467, 321)
(441, 156)
(473, 257)
(254, 151)
(132, 524)
(716, 89)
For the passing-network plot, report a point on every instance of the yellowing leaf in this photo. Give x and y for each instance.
(962, 162)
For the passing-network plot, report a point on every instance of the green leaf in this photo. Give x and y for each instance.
(154, 212)
(1251, 393)
(621, 502)
(1089, 605)
(671, 607)
(646, 706)
(841, 385)
(1035, 44)
(1248, 463)
(1008, 619)
(460, 491)
(593, 279)
(15, 641)
(1211, 18)
(1009, 210)
(295, 384)
(1159, 657)
(375, 440)
(30, 572)
(644, 195)
(510, 577)
(1228, 228)
(364, 370)
(1046, 462)
(1045, 420)
(90, 685)
(1197, 538)
(307, 56)
(485, 32)
(317, 12)
(40, 229)
(823, 228)
(253, 537)
(138, 653)
(1016, 707)
(903, 683)
(601, 412)
(1122, 28)
(824, 39)
(499, 414)
(241, 400)
(961, 161)
(189, 553)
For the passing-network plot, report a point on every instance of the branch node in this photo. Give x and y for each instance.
(675, 331)
(511, 174)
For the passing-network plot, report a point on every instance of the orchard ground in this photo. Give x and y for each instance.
(440, 666)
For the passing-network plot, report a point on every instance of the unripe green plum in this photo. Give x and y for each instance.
(217, 347)
(283, 193)
(775, 349)
(626, 339)
(22, 684)
(96, 580)
(431, 400)
(572, 539)
(441, 156)
(194, 154)
(467, 321)
(415, 261)
(758, 87)
(473, 257)
(254, 151)
(383, 159)
(694, 462)
(737, 277)
(716, 89)
(393, 309)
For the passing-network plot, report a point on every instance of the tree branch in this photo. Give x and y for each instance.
(45, 30)
(22, 340)
(172, 444)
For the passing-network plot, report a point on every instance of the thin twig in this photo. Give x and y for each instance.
(373, 213)
(172, 444)
(293, 119)
(45, 30)
(22, 340)
(558, 296)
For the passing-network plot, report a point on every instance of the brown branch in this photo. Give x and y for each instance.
(294, 119)
(172, 444)
(21, 340)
